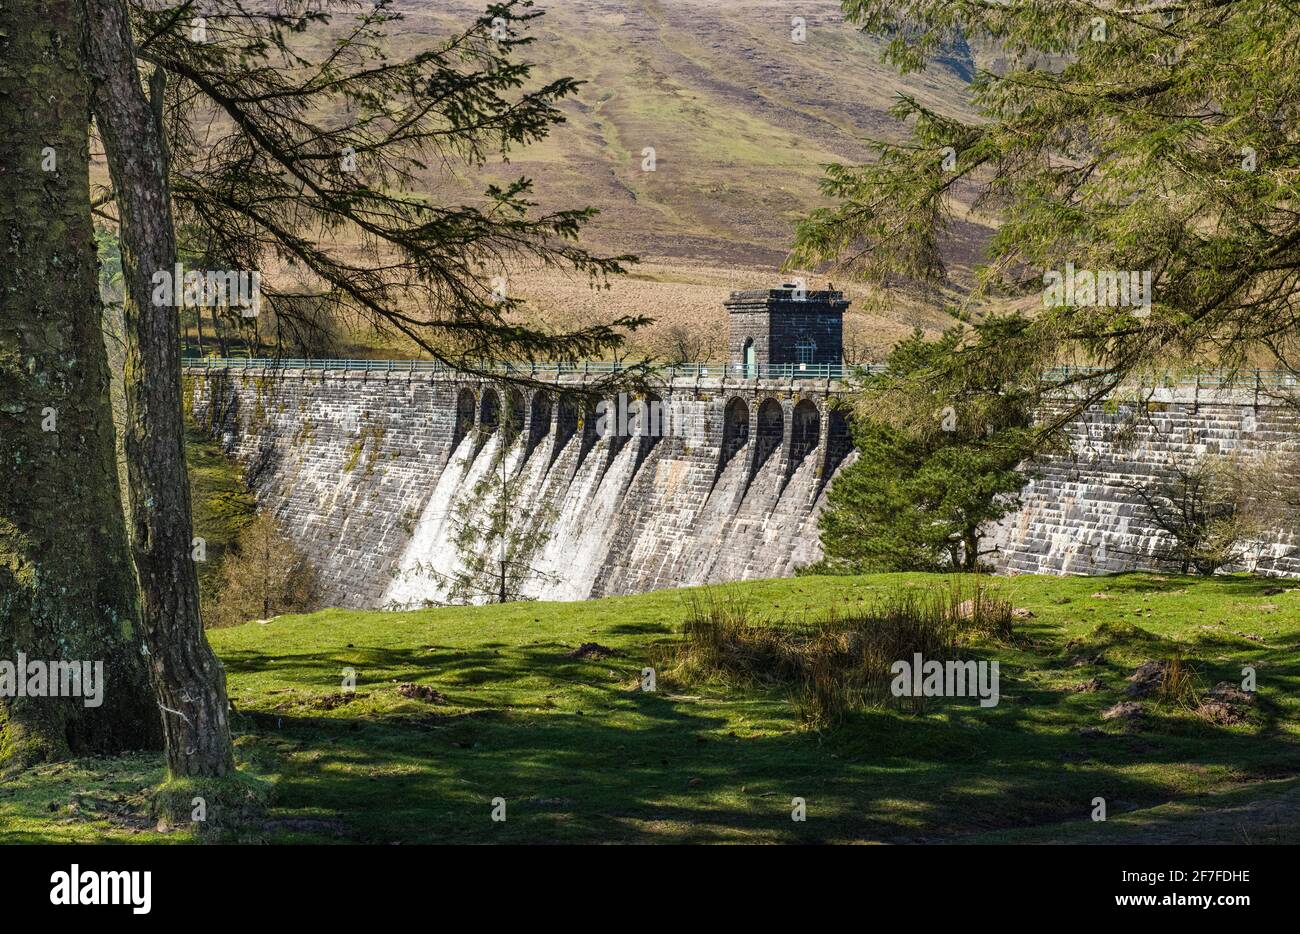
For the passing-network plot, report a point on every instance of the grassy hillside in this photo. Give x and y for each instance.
(579, 755)
(741, 116)
(741, 119)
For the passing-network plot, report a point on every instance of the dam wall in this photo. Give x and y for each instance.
(1080, 514)
(370, 472)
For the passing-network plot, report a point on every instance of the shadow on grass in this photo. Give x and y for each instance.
(1239, 585)
(628, 766)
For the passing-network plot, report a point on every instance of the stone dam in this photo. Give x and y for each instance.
(363, 463)
(363, 470)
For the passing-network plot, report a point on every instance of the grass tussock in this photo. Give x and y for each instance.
(840, 662)
(1179, 684)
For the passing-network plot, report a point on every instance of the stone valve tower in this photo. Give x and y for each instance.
(773, 331)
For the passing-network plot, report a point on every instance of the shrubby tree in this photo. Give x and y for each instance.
(1214, 509)
(682, 342)
(265, 576)
(935, 467)
(498, 532)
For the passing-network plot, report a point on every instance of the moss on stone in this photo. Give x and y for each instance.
(353, 455)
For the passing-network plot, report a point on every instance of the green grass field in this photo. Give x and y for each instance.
(579, 755)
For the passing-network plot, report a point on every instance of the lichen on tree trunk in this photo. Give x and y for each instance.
(67, 591)
(187, 676)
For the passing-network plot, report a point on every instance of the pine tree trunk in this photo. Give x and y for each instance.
(66, 587)
(188, 678)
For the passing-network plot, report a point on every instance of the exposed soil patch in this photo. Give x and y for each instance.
(1087, 687)
(1225, 704)
(128, 811)
(1229, 693)
(331, 701)
(592, 650)
(1126, 711)
(1219, 713)
(1146, 679)
(421, 692)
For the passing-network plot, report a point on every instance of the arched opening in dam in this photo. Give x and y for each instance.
(839, 439)
(566, 419)
(586, 409)
(540, 425)
(735, 429)
(611, 423)
(515, 414)
(805, 430)
(464, 416)
(771, 428)
(489, 411)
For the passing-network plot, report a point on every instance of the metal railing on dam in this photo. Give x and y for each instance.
(1259, 379)
(813, 371)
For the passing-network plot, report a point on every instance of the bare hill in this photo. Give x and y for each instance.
(741, 118)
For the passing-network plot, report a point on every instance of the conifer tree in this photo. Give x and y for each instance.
(935, 467)
(498, 531)
(1150, 138)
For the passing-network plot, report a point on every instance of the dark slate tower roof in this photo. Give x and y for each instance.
(814, 302)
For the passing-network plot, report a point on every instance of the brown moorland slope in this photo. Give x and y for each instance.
(741, 119)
